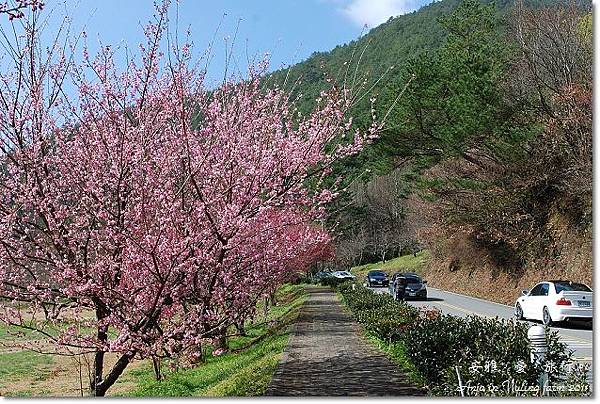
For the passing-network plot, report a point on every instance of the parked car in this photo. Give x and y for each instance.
(552, 301)
(322, 274)
(414, 286)
(376, 277)
(343, 275)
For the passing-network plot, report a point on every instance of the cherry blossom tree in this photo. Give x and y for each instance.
(15, 9)
(148, 209)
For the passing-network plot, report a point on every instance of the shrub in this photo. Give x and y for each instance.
(346, 287)
(492, 353)
(576, 382)
(363, 299)
(428, 349)
(302, 278)
(380, 315)
(388, 321)
(332, 281)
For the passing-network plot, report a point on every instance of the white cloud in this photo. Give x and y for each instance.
(375, 12)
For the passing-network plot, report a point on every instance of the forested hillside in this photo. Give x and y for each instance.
(485, 157)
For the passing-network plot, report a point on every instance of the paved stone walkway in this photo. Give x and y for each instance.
(326, 356)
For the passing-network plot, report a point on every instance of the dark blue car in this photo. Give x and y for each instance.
(414, 286)
(377, 277)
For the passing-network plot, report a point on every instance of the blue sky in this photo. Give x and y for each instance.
(290, 30)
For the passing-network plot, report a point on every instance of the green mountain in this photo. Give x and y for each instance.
(373, 65)
(482, 148)
(389, 44)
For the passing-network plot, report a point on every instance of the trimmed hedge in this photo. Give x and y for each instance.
(332, 281)
(389, 321)
(488, 352)
(492, 355)
(379, 314)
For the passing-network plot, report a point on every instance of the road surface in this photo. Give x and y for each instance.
(578, 337)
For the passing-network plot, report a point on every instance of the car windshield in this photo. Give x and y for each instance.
(377, 273)
(412, 279)
(570, 287)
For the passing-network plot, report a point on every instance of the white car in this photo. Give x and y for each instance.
(343, 275)
(555, 301)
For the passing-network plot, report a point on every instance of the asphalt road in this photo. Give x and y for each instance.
(578, 337)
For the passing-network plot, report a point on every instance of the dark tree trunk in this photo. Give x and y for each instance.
(102, 336)
(156, 368)
(239, 325)
(99, 390)
(98, 369)
(266, 309)
(220, 340)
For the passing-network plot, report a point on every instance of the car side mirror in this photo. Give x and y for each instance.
(525, 292)
(424, 281)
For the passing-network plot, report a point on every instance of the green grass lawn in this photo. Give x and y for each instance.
(14, 334)
(406, 263)
(246, 371)
(15, 365)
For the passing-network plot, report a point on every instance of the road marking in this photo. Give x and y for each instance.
(472, 297)
(461, 309)
(578, 342)
(466, 311)
(576, 339)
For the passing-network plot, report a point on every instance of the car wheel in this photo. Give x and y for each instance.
(518, 312)
(546, 319)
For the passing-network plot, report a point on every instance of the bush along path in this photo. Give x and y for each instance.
(326, 356)
(491, 355)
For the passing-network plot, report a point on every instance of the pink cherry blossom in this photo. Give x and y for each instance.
(149, 209)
